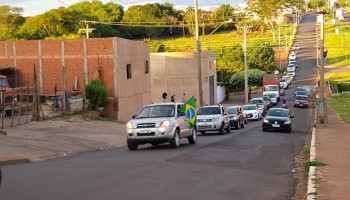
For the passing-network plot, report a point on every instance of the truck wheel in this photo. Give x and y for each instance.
(193, 138)
(132, 145)
(175, 142)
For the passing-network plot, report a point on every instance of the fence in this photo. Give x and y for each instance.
(19, 106)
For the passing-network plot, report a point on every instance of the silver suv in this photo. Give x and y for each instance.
(159, 123)
(213, 118)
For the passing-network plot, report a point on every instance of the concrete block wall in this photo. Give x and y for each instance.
(85, 60)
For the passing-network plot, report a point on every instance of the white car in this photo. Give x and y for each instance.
(159, 123)
(293, 62)
(213, 118)
(283, 83)
(291, 72)
(295, 47)
(272, 96)
(253, 113)
(288, 78)
(293, 55)
(291, 67)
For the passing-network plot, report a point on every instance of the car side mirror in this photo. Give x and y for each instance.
(134, 116)
(292, 116)
(225, 113)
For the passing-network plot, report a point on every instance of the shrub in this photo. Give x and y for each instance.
(96, 93)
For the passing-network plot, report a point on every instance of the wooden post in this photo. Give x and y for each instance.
(20, 105)
(27, 104)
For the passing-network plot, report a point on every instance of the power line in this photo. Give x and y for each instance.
(62, 2)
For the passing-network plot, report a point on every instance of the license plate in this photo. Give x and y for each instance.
(301, 105)
(145, 131)
(275, 125)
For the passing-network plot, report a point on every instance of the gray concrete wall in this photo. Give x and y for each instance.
(177, 73)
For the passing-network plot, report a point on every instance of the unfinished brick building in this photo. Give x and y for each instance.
(123, 66)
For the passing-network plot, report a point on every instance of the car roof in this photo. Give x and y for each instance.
(165, 103)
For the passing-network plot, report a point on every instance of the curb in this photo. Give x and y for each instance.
(311, 189)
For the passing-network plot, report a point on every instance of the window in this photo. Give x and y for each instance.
(128, 71)
(146, 67)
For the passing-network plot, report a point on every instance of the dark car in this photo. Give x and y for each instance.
(268, 101)
(299, 89)
(236, 116)
(301, 101)
(278, 119)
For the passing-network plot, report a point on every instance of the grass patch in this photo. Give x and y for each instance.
(340, 104)
(339, 76)
(306, 150)
(337, 45)
(315, 163)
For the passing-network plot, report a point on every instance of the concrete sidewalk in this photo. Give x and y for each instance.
(333, 148)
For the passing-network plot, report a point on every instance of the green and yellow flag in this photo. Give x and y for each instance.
(190, 110)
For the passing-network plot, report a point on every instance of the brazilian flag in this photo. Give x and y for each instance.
(190, 110)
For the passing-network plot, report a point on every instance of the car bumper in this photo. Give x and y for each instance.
(278, 127)
(151, 134)
(208, 126)
(304, 105)
(233, 123)
(252, 116)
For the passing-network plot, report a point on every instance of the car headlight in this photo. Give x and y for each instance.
(164, 124)
(234, 118)
(129, 126)
(255, 113)
(287, 122)
(216, 119)
(266, 121)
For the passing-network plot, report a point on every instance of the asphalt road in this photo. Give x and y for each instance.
(245, 164)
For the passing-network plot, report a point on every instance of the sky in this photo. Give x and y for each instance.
(35, 7)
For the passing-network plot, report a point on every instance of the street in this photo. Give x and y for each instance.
(244, 164)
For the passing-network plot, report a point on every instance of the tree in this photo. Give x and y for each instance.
(10, 20)
(96, 93)
(262, 57)
(237, 81)
(149, 18)
(230, 60)
(266, 10)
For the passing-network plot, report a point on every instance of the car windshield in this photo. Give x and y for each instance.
(232, 110)
(256, 101)
(250, 107)
(282, 80)
(301, 93)
(298, 97)
(155, 111)
(271, 88)
(271, 95)
(209, 111)
(278, 113)
(300, 89)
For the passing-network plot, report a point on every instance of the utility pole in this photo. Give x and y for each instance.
(322, 100)
(279, 46)
(198, 44)
(245, 65)
(87, 30)
(317, 51)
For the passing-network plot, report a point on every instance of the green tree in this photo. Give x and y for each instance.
(225, 13)
(262, 57)
(10, 19)
(96, 93)
(229, 61)
(266, 10)
(254, 79)
(150, 18)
